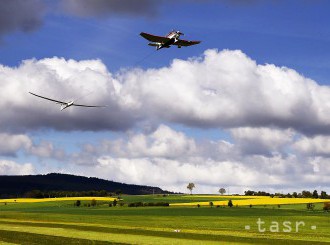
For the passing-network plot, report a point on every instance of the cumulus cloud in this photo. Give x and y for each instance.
(20, 15)
(209, 164)
(274, 116)
(11, 144)
(46, 149)
(318, 145)
(163, 142)
(277, 172)
(244, 94)
(13, 168)
(263, 141)
(63, 80)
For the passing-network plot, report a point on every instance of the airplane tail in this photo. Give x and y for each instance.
(157, 45)
(153, 44)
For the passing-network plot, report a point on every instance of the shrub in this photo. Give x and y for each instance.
(310, 206)
(135, 204)
(93, 203)
(326, 206)
(150, 204)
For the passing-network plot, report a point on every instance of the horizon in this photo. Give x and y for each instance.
(248, 108)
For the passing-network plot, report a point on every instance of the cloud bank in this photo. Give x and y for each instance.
(220, 89)
(152, 158)
(277, 119)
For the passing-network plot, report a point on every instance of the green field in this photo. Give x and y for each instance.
(62, 223)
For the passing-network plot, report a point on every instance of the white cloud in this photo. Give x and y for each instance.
(163, 142)
(261, 140)
(11, 144)
(271, 113)
(46, 149)
(209, 164)
(317, 145)
(260, 173)
(222, 89)
(13, 168)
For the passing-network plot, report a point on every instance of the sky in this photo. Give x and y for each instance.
(247, 108)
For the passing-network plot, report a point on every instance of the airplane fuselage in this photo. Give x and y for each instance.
(173, 36)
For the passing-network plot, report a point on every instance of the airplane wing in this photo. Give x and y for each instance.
(89, 105)
(186, 43)
(153, 38)
(58, 101)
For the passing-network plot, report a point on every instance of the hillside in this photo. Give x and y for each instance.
(17, 186)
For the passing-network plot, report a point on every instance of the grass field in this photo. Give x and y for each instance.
(59, 222)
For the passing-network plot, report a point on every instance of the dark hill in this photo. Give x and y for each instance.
(18, 186)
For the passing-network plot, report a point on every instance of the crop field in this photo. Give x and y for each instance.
(60, 222)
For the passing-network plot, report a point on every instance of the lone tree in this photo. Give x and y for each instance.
(222, 191)
(323, 195)
(190, 187)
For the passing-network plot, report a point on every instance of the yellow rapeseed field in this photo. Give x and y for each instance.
(33, 200)
(226, 196)
(253, 200)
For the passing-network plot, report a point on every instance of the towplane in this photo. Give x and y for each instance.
(173, 38)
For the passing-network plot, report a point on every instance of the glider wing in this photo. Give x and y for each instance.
(89, 105)
(153, 38)
(58, 101)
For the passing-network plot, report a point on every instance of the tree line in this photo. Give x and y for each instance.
(303, 194)
(53, 194)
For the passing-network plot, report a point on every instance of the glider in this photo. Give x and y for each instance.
(173, 38)
(65, 105)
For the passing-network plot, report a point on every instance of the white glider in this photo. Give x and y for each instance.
(65, 105)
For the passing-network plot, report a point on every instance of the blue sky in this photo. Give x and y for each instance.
(260, 49)
(286, 33)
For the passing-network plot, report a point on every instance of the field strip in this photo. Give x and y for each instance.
(256, 201)
(60, 199)
(226, 197)
(117, 238)
(14, 237)
(191, 235)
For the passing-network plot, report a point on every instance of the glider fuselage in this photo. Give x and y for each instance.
(66, 105)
